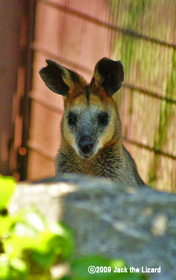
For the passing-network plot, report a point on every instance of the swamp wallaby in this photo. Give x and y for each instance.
(91, 128)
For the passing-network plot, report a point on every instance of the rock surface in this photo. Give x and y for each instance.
(137, 224)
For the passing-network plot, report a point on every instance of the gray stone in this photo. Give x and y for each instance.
(137, 224)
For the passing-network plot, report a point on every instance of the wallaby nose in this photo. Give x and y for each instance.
(85, 144)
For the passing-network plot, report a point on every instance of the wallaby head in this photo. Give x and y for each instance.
(90, 121)
(91, 127)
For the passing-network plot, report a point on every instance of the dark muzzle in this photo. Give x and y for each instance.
(86, 144)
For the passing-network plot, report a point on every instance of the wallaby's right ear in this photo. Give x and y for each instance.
(108, 74)
(58, 78)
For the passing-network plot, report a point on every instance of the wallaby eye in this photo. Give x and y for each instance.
(103, 119)
(71, 119)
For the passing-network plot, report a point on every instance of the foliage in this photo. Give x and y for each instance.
(31, 245)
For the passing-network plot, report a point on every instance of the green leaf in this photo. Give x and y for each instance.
(7, 187)
(44, 259)
(4, 266)
(15, 245)
(5, 224)
(19, 265)
(67, 239)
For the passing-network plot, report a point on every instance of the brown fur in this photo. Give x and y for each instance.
(94, 119)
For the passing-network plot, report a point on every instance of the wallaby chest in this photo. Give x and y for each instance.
(106, 163)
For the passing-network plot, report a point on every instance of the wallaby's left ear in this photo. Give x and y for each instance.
(109, 74)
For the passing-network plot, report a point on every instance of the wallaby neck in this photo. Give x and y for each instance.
(103, 161)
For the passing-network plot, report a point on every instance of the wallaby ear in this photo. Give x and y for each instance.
(109, 74)
(58, 78)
